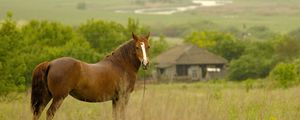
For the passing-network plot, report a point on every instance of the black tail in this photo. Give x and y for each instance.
(39, 91)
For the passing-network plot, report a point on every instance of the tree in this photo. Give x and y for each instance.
(249, 67)
(24, 47)
(103, 36)
(229, 49)
(256, 62)
(285, 74)
(10, 37)
(223, 44)
(158, 46)
(47, 33)
(10, 42)
(287, 48)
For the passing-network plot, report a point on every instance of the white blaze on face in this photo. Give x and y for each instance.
(145, 59)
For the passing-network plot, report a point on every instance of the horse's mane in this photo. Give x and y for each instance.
(125, 53)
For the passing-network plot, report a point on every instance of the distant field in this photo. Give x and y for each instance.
(279, 15)
(179, 101)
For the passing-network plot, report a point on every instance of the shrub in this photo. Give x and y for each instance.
(103, 36)
(285, 74)
(249, 67)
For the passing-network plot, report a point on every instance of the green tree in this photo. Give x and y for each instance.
(10, 42)
(295, 34)
(223, 44)
(285, 74)
(229, 49)
(47, 33)
(158, 46)
(134, 26)
(10, 37)
(103, 36)
(248, 66)
(256, 62)
(287, 48)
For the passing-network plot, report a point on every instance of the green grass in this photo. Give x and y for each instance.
(279, 15)
(179, 101)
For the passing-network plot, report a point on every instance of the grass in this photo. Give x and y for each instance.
(178, 101)
(279, 15)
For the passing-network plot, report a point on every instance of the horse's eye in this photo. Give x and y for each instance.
(136, 47)
(148, 47)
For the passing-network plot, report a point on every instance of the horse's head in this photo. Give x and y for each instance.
(141, 48)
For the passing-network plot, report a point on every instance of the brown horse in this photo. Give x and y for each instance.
(113, 78)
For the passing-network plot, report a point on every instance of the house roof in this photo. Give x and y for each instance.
(187, 54)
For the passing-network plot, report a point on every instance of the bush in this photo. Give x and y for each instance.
(285, 74)
(249, 67)
(103, 36)
(221, 43)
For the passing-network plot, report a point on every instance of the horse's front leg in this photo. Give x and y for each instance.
(119, 107)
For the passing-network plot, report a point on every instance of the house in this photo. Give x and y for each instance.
(189, 62)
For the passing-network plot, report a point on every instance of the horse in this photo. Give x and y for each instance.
(111, 79)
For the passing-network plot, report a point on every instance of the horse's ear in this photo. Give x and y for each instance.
(134, 36)
(148, 35)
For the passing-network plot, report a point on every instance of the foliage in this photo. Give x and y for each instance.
(207, 39)
(255, 62)
(221, 43)
(285, 74)
(158, 46)
(248, 66)
(10, 41)
(103, 36)
(295, 34)
(134, 26)
(287, 48)
(229, 49)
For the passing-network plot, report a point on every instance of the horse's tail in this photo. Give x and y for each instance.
(39, 90)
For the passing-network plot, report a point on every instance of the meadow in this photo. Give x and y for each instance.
(178, 101)
(212, 100)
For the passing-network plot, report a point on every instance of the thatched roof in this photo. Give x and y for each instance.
(187, 54)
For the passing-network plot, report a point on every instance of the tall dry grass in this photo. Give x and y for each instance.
(198, 101)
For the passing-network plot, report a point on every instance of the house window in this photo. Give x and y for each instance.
(182, 70)
(161, 71)
(212, 69)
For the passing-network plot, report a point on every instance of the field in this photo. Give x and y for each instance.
(279, 15)
(178, 101)
(212, 100)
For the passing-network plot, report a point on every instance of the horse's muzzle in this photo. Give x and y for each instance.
(145, 65)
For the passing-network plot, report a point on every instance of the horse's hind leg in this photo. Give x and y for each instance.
(56, 103)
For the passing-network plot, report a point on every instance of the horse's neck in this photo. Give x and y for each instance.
(126, 60)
